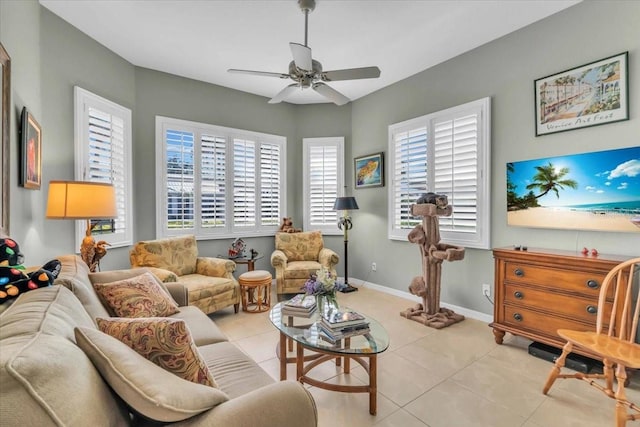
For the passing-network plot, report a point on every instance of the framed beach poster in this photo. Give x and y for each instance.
(590, 191)
(30, 152)
(5, 97)
(589, 95)
(369, 170)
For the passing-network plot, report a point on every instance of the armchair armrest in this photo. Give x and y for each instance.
(165, 276)
(328, 258)
(278, 259)
(179, 293)
(282, 404)
(215, 267)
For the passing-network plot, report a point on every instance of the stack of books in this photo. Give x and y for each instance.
(301, 305)
(342, 323)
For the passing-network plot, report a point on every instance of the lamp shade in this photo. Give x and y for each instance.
(81, 200)
(345, 204)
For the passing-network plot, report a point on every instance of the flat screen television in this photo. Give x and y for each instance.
(589, 191)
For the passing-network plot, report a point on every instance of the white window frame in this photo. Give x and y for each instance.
(83, 101)
(330, 225)
(229, 230)
(481, 237)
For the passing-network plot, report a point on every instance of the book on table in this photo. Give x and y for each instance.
(300, 305)
(335, 335)
(341, 318)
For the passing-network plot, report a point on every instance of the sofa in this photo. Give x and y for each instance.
(297, 256)
(48, 376)
(209, 281)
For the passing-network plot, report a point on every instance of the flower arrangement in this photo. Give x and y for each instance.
(323, 285)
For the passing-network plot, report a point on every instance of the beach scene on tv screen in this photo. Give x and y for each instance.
(587, 191)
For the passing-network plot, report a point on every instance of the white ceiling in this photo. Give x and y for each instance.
(201, 39)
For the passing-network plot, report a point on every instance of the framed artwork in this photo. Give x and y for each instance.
(597, 191)
(369, 170)
(30, 151)
(593, 94)
(5, 96)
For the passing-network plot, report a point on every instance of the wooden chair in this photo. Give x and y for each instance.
(614, 340)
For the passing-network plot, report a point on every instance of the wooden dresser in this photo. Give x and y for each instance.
(539, 291)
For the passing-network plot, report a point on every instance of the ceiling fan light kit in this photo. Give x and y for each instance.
(307, 72)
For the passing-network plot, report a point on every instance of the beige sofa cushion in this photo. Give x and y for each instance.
(45, 379)
(139, 296)
(176, 254)
(164, 341)
(74, 275)
(203, 330)
(145, 387)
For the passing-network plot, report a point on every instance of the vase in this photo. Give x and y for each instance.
(326, 302)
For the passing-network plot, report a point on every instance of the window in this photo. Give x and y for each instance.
(446, 152)
(103, 154)
(323, 182)
(217, 182)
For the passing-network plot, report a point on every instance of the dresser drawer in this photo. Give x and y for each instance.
(584, 309)
(541, 323)
(587, 283)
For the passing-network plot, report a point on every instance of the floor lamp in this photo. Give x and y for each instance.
(346, 204)
(83, 200)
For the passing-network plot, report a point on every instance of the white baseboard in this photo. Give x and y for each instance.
(406, 295)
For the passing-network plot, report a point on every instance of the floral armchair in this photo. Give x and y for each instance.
(209, 282)
(297, 256)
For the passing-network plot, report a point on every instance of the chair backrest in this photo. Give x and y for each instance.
(177, 254)
(617, 312)
(303, 246)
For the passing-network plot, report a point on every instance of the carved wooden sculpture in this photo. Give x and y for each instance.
(432, 253)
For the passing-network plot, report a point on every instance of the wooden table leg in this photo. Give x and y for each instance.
(347, 360)
(373, 384)
(299, 360)
(283, 357)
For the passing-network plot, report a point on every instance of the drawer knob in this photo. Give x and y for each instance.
(517, 316)
(593, 284)
(518, 294)
(519, 272)
(592, 309)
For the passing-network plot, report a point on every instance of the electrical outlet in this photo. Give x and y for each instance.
(486, 290)
(373, 266)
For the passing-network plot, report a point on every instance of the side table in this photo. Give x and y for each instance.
(250, 262)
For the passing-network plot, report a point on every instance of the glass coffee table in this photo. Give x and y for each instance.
(363, 349)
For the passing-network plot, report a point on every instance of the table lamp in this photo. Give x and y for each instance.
(346, 204)
(83, 200)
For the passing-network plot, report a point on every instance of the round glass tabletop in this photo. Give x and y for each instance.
(307, 331)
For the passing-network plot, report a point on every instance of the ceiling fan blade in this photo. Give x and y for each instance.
(330, 93)
(283, 93)
(258, 73)
(301, 56)
(351, 74)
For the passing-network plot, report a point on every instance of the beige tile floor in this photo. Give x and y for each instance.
(457, 376)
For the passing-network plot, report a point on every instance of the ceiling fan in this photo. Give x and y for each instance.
(307, 72)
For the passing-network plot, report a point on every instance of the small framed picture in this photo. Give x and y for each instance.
(369, 170)
(593, 94)
(30, 151)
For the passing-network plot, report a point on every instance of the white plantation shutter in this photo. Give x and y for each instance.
(180, 193)
(409, 174)
(213, 181)
(323, 182)
(217, 182)
(270, 184)
(446, 152)
(244, 183)
(103, 154)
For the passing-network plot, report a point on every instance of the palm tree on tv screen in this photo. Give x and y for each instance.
(548, 178)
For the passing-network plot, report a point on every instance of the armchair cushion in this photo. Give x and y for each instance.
(304, 246)
(176, 254)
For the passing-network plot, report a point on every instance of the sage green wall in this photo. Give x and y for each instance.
(503, 70)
